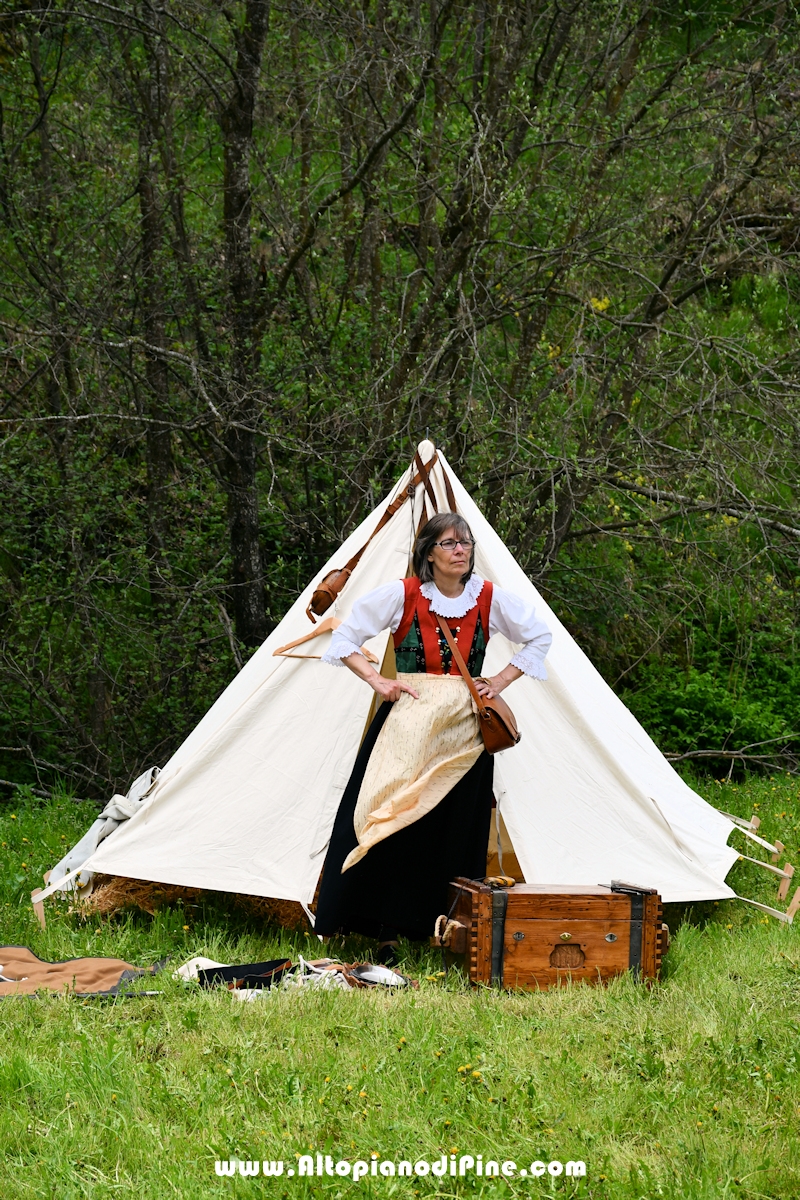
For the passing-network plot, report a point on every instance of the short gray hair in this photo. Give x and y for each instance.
(431, 534)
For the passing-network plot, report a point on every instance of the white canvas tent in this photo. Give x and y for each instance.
(247, 803)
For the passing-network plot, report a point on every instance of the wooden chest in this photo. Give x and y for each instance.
(537, 936)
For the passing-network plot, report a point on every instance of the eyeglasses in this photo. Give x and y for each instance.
(450, 544)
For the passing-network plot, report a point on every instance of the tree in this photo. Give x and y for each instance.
(253, 253)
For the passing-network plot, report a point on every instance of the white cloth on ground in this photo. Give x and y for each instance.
(189, 970)
(309, 975)
(118, 809)
(306, 974)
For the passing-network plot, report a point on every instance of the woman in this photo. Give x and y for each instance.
(417, 808)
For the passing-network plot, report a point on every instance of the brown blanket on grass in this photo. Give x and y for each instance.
(23, 974)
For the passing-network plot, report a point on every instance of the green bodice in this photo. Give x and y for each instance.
(410, 654)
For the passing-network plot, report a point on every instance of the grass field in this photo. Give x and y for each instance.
(690, 1090)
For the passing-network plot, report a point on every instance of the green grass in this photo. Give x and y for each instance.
(690, 1090)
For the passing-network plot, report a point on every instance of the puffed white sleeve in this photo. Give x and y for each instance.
(380, 609)
(517, 620)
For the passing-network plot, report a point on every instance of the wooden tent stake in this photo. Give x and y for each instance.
(38, 906)
(794, 906)
(779, 849)
(788, 872)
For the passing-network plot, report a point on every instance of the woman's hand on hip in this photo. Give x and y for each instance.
(390, 689)
(491, 687)
(387, 689)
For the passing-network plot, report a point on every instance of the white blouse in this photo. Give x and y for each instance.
(382, 609)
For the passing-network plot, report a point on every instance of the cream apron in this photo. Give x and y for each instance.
(422, 751)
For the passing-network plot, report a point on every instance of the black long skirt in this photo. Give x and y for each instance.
(400, 886)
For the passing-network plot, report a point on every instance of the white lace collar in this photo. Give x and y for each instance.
(453, 606)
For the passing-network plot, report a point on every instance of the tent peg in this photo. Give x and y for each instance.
(788, 872)
(38, 906)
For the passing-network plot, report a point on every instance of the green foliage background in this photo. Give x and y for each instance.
(574, 266)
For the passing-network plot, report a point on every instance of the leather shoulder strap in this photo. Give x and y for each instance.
(329, 588)
(462, 666)
(448, 487)
(422, 476)
(424, 470)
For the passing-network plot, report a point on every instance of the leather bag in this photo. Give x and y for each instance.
(328, 589)
(496, 720)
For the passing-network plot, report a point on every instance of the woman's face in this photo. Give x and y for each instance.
(449, 565)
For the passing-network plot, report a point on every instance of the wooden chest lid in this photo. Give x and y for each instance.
(559, 889)
(548, 900)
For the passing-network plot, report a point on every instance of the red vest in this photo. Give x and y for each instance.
(415, 602)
